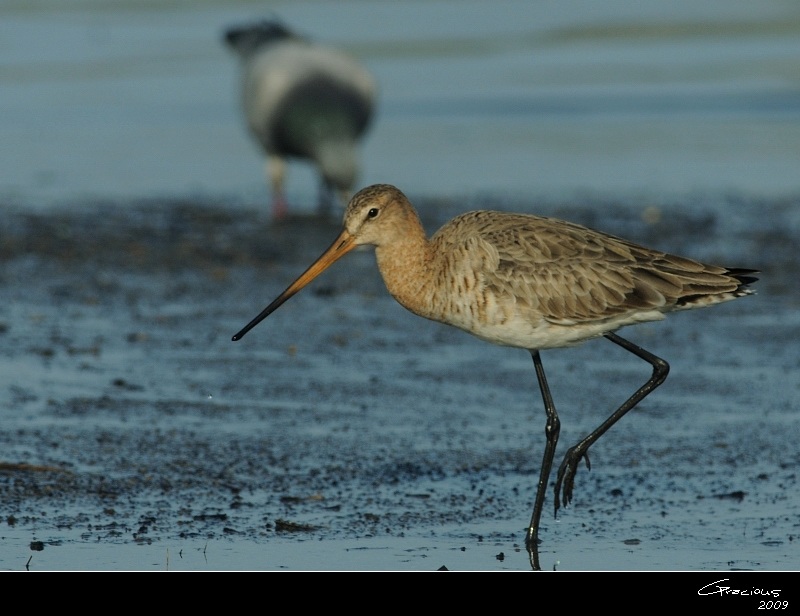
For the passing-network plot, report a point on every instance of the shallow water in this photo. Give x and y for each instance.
(130, 99)
(346, 433)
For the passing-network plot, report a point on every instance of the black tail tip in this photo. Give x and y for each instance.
(745, 276)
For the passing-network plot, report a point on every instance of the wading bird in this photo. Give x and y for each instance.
(303, 101)
(529, 282)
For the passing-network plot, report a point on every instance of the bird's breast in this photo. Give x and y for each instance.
(448, 292)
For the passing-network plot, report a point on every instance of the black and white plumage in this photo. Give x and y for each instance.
(303, 101)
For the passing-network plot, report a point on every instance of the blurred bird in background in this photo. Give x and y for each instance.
(303, 101)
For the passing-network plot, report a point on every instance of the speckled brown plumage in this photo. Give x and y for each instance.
(528, 281)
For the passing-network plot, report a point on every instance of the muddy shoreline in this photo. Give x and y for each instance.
(131, 419)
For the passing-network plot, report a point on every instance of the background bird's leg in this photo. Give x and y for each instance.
(344, 196)
(551, 430)
(276, 172)
(327, 196)
(569, 466)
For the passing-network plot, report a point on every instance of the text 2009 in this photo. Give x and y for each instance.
(773, 605)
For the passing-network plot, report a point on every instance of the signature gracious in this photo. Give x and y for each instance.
(717, 588)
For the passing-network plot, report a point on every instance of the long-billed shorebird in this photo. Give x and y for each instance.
(303, 101)
(530, 282)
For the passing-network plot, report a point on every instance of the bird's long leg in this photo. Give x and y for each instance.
(551, 430)
(327, 195)
(569, 466)
(275, 169)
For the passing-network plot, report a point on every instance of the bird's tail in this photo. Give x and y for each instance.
(746, 278)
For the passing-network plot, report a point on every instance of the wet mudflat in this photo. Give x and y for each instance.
(346, 433)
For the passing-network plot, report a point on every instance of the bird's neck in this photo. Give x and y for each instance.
(406, 265)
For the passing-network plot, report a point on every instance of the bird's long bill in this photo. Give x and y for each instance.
(343, 244)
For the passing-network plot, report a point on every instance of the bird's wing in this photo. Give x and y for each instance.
(566, 273)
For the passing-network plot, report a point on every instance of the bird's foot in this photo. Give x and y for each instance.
(565, 481)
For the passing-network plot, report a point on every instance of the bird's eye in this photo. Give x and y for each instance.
(373, 212)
